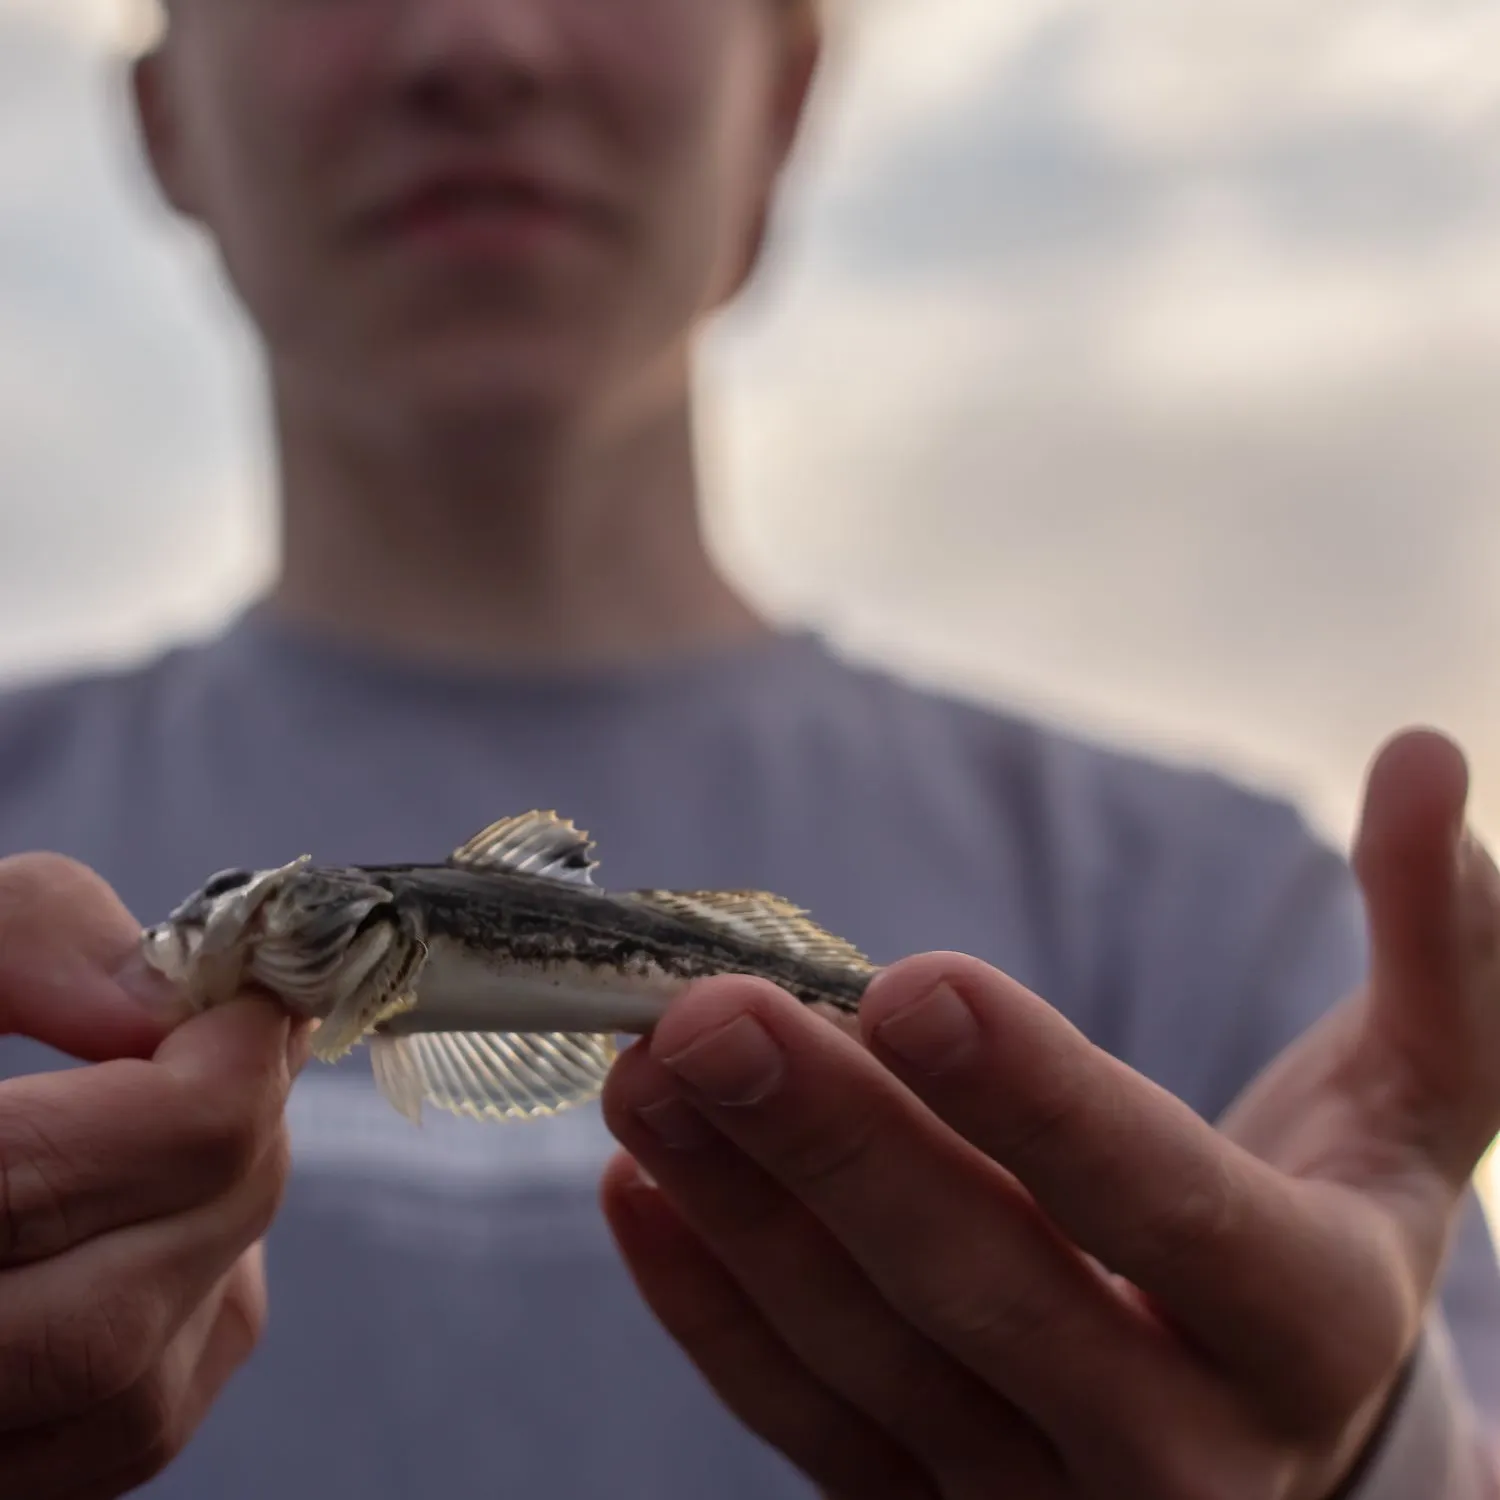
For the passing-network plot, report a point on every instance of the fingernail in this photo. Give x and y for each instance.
(934, 1033)
(737, 1064)
(152, 990)
(675, 1123)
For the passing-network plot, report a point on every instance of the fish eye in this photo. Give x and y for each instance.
(226, 881)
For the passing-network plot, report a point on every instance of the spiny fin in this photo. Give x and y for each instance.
(396, 1079)
(490, 1075)
(377, 984)
(337, 1036)
(759, 917)
(534, 843)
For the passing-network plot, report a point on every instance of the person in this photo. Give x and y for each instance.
(1112, 1195)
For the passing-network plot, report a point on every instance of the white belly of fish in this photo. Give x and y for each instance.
(463, 990)
(505, 1041)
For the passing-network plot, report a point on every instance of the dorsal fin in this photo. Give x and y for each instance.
(534, 843)
(762, 918)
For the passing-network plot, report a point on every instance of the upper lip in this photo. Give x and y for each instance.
(439, 186)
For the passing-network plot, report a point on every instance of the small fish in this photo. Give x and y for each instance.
(492, 985)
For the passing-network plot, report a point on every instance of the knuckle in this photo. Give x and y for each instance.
(120, 1345)
(35, 890)
(74, 1360)
(785, 1426)
(271, 1177)
(149, 1432)
(1050, 1117)
(892, 1372)
(225, 1143)
(762, 1233)
(35, 1219)
(963, 1307)
(1182, 1464)
(243, 1313)
(1188, 1474)
(1335, 1377)
(1202, 1215)
(715, 1331)
(29, 881)
(823, 1152)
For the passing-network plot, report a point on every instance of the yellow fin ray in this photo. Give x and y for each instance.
(534, 843)
(763, 918)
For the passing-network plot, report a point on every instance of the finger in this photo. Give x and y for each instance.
(244, 1048)
(87, 1151)
(82, 1328)
(819, 1302)
(749, 1368)
(1406, 854)
(949, 1239)
(1430, 1059)
(126, 1441)
(70, 970)
(1218, 1239)
(205, 1364)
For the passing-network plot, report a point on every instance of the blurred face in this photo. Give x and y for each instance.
(478, 207)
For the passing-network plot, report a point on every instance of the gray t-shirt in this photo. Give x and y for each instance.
(448, 1315)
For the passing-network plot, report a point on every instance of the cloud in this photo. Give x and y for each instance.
(1166, 76)
(1130, 356)
(127, 473)
(1069, 128)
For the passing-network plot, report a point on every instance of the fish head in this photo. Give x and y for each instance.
(205, 944)
(304, 935)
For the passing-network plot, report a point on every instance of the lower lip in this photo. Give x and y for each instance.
(487, 233)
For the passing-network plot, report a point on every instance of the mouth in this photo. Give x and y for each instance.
(487, 215)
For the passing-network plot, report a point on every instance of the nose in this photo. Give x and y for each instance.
(469, 62)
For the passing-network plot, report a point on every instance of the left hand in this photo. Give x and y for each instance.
(979, 1256)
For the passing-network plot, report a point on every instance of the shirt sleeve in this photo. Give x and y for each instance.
(1434, 1445)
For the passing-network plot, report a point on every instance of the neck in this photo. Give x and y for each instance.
(516, 550)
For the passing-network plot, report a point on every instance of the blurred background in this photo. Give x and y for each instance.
(1132, 361)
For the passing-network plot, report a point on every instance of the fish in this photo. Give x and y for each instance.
(496, 984)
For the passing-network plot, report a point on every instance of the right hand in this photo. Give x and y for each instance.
(133, 1193)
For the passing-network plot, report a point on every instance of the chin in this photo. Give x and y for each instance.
(496, 388)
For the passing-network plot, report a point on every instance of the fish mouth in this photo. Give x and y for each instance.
(169, 950)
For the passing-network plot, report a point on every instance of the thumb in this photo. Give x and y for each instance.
(1430, 1051)
(70, 973)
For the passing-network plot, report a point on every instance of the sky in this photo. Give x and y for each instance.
(1134, 362)
(1130, 361)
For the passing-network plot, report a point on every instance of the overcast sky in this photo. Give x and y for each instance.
(1134, 359)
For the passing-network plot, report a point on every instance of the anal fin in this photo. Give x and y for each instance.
(491, 1075)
